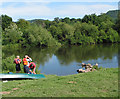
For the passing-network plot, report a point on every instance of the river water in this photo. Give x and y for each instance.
(67, 59)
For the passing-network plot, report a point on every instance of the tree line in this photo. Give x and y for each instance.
(91, 29)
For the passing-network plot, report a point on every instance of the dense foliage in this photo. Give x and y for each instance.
(90, 29)
(113, 14)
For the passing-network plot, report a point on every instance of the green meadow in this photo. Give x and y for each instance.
(102, 83)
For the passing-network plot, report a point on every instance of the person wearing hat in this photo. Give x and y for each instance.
(32, 66)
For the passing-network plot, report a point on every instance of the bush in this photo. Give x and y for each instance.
(7, 64)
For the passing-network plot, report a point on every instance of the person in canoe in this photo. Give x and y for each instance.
(32, 67)
(17, 61)
(26, 62)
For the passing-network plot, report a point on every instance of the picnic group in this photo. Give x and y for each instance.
(29, 66)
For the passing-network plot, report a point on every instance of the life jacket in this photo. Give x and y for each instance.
(25, 62)
(32, 65)
(16, 61)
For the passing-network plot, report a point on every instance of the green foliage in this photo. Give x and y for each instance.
(37, 69)
(0, 33)
(38, 36)
(22, 24)
(117, 24)
(6, 21)
(113, 35)
(90, 19)
(91, 29)
(12, 34)
(66, 20)
(113, 14)
(7, 64)
(104, 18)
(67, 32)
(57, 19)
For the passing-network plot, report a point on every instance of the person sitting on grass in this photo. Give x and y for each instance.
(32, 67)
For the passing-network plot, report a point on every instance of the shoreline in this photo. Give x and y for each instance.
(67, 74)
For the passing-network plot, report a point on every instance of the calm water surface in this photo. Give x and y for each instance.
(66, 60)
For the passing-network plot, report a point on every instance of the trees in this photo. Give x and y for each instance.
(90, 19)
(56, 32)
(103, 18)
(67, 33)
(62, 32)
(112, 35)
(57, 19)
(38, 36)
(22, 24)
(6, 20)
(85, 33)
(117, 24)
(66, 20)
(12, 35)
(90, 29)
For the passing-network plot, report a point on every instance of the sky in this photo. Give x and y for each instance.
(49, 9)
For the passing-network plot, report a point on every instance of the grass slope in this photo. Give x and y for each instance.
(103, 83)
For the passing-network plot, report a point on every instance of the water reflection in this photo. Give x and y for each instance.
(67, 55)
(66, 60)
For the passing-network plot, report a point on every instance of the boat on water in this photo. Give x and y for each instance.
(20, 76)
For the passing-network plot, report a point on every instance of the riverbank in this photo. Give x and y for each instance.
(102, 83)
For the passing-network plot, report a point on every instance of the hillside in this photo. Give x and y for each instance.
(113, 14)
(35, 20)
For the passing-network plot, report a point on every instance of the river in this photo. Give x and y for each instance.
(67, 59)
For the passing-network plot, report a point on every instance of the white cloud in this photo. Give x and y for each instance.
(41, 10)
(59, 0)
(80, 10)
(29, 9)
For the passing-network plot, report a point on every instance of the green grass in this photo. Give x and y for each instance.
(102, 83)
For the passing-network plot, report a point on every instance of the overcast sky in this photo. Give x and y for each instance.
(49, 9)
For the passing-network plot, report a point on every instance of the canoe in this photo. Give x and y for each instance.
(19, 76)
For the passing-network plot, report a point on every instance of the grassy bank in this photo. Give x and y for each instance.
(102, 83)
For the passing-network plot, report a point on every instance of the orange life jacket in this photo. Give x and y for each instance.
(25, 62)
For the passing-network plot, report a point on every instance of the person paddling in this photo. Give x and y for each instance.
(32, 66)
(17, 61)
(26, 62)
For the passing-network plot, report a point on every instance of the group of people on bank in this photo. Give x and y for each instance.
(29, 66)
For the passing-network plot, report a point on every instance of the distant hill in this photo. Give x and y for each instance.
(113, 14)
(35, 20)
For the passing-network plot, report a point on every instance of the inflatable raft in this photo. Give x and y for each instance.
(19, 76)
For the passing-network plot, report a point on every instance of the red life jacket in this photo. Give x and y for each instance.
(25, 62)
(16, 61)
(32, 66)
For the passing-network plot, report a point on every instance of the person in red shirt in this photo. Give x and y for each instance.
(17, 61)
(32, 66)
